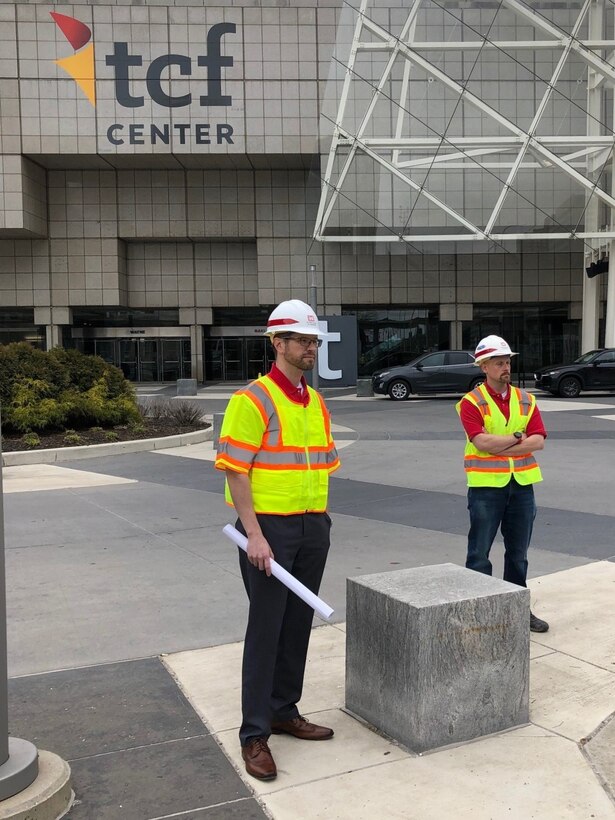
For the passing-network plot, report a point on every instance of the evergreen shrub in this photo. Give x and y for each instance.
(45, 391)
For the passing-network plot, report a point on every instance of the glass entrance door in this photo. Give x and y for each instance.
(255, 358)
(233, 360)
(129, 358)
(237, 359)
(145, 359)
(171, 360)
(148, 360)
(139, 359)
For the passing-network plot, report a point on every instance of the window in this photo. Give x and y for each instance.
(459, 357)
(606, 358)
(435, 360)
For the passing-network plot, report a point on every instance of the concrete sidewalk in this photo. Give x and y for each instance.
(561, 765)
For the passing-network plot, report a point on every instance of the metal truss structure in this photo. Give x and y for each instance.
(585, 158)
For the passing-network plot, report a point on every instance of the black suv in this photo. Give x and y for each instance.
(447, 371)
(591, 371)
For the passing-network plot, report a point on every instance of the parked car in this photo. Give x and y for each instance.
(591, 371)
(447, 371)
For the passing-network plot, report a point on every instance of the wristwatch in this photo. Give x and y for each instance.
(518, 435)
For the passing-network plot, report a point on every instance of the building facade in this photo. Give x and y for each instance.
(161, 169)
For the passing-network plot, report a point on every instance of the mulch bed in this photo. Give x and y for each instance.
(12, 443)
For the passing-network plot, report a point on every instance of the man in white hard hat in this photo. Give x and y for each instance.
(504, 429)
(277, 452)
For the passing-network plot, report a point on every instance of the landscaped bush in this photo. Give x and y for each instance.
(181, 413)
(60, 389)
(31, 440)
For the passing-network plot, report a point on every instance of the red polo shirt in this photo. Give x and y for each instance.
(300, 395)
(472, 419)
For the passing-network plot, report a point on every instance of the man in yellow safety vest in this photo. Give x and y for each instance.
(503, 429)
(277, 452)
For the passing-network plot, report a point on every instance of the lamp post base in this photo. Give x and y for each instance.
(21, 768)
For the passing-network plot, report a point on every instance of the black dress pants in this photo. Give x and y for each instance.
(279, 623)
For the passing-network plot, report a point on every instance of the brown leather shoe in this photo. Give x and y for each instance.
(259, 760)
(301, 728)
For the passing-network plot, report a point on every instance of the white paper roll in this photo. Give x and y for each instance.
(318, 605)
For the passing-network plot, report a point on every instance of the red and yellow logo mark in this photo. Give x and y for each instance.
(80, 66)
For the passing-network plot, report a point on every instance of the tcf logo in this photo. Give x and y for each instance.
(80, 66)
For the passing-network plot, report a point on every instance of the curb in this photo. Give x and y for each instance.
(115, 448)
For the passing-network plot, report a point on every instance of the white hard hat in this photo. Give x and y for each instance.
(491, 346)
(293, 316)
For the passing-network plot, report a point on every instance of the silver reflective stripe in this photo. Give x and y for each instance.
(502, 463)
(487, 463)
(273, 426)
(235, 452)
(525, 402)
(298, 459)
(282, 458)
(332, 456)
(524, 461)
(480, 399)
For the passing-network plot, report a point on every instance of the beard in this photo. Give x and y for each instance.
(303, 362)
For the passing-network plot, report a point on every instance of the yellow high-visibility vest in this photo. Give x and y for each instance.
(487, 470)
(285, 448)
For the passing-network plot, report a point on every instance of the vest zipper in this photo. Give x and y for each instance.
(305, 447)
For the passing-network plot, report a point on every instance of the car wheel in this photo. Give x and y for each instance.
(476, 383)
(399, 390)
(569, 387)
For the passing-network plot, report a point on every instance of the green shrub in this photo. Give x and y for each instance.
(62, 388)
(33, 407)
(31, 440)
(19, 361)
(85, 371)
(137, 429)
(111, 435)
(96, 430)
(72, 438)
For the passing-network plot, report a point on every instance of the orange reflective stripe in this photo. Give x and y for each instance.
(315, 458)
(476, 397)
(498, 463)
(257, 403)
(256, 465)
(241, 444)
(326, 416)
(272, 436)
(224, 462)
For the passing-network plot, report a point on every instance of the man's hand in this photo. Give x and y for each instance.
(259, 552)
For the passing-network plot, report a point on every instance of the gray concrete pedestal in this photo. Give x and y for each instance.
(48, 796)
(20, 769)
(437, 655)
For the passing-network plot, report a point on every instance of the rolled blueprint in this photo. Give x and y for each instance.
(318, 605)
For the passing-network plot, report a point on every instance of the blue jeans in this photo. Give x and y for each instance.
(513, 509)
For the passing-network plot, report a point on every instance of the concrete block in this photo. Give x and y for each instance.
(437, 655)
(186, 387)
(364, 387)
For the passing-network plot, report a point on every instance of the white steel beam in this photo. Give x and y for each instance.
(536, 119)
(477, 45)
(577, 154)
(590, 57)
(493, 113)
(370, 109)
(463, 237)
